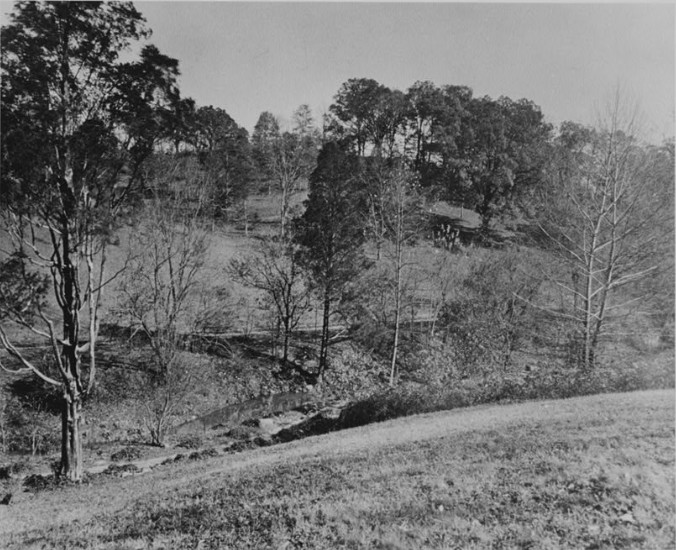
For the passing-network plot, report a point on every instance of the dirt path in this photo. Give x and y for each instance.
(46, 509)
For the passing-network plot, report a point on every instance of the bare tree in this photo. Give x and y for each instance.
(603, 213)
(488, 315)
(401, 216)
(287, 159)
(275, 271)
(162, 298)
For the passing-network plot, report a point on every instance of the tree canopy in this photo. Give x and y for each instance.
(77, 123)
(224, 153)
(479, 152)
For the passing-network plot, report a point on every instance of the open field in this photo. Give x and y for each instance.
(590, 472)
(225, 243)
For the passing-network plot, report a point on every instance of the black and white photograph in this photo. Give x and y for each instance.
(337, 275)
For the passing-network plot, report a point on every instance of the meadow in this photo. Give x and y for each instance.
(588, 472)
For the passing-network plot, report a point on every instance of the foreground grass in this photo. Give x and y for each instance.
(602, 477)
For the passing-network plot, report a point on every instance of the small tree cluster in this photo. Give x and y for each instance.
(479, 152)
(286, 159)
(275, 271)
(164, 298)
(490, 315)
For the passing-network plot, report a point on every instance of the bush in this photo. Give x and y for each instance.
(489, 316)
(12, 470)
(656, 373)
(543, 383)
(36, 482)
(128, 453)
(27, 427)
(315, 425)
(402, 401)
(192, 441)
(119, 470)
(242, 433)
(201, 455)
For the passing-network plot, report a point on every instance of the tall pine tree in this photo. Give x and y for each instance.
(331, 233)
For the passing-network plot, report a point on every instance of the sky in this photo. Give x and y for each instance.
(249, 57)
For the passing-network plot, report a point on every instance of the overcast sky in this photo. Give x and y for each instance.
(250, 57)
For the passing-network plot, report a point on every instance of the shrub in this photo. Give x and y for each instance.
(544, 383)
(402, 401)
(12, 470)
(489, 316)
(192, 441)
(26, 426)
(242, 433)
(128, 453)
(37, 482)
(118, 470)
(315, 425)
(201, 455)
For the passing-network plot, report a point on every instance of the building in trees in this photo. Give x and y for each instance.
(481, 153)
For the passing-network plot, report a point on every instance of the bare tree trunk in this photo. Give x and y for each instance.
(324, 345)
(398, 267)
(284, 209)
(246, 220)
(285, 351)
(70, 303)
(71, 443)
(395, 344)
(588, 305)
(94, 294)
(397, 300)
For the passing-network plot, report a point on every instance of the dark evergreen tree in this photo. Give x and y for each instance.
(331, 232)
(224, 153)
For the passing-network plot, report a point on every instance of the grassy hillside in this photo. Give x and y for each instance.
(238, 370)
(591, 472)
(226, 242)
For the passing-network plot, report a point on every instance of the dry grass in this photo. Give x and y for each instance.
(592, 472)
(225, 243)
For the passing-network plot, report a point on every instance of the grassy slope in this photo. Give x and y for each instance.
(591, 472)
(226, 243)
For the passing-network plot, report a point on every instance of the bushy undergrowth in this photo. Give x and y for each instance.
(126, 454)
(28, 421)
(113, 413)
(409, 399)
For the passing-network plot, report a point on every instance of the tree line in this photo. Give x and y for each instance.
(476, 151)
(88, 138)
